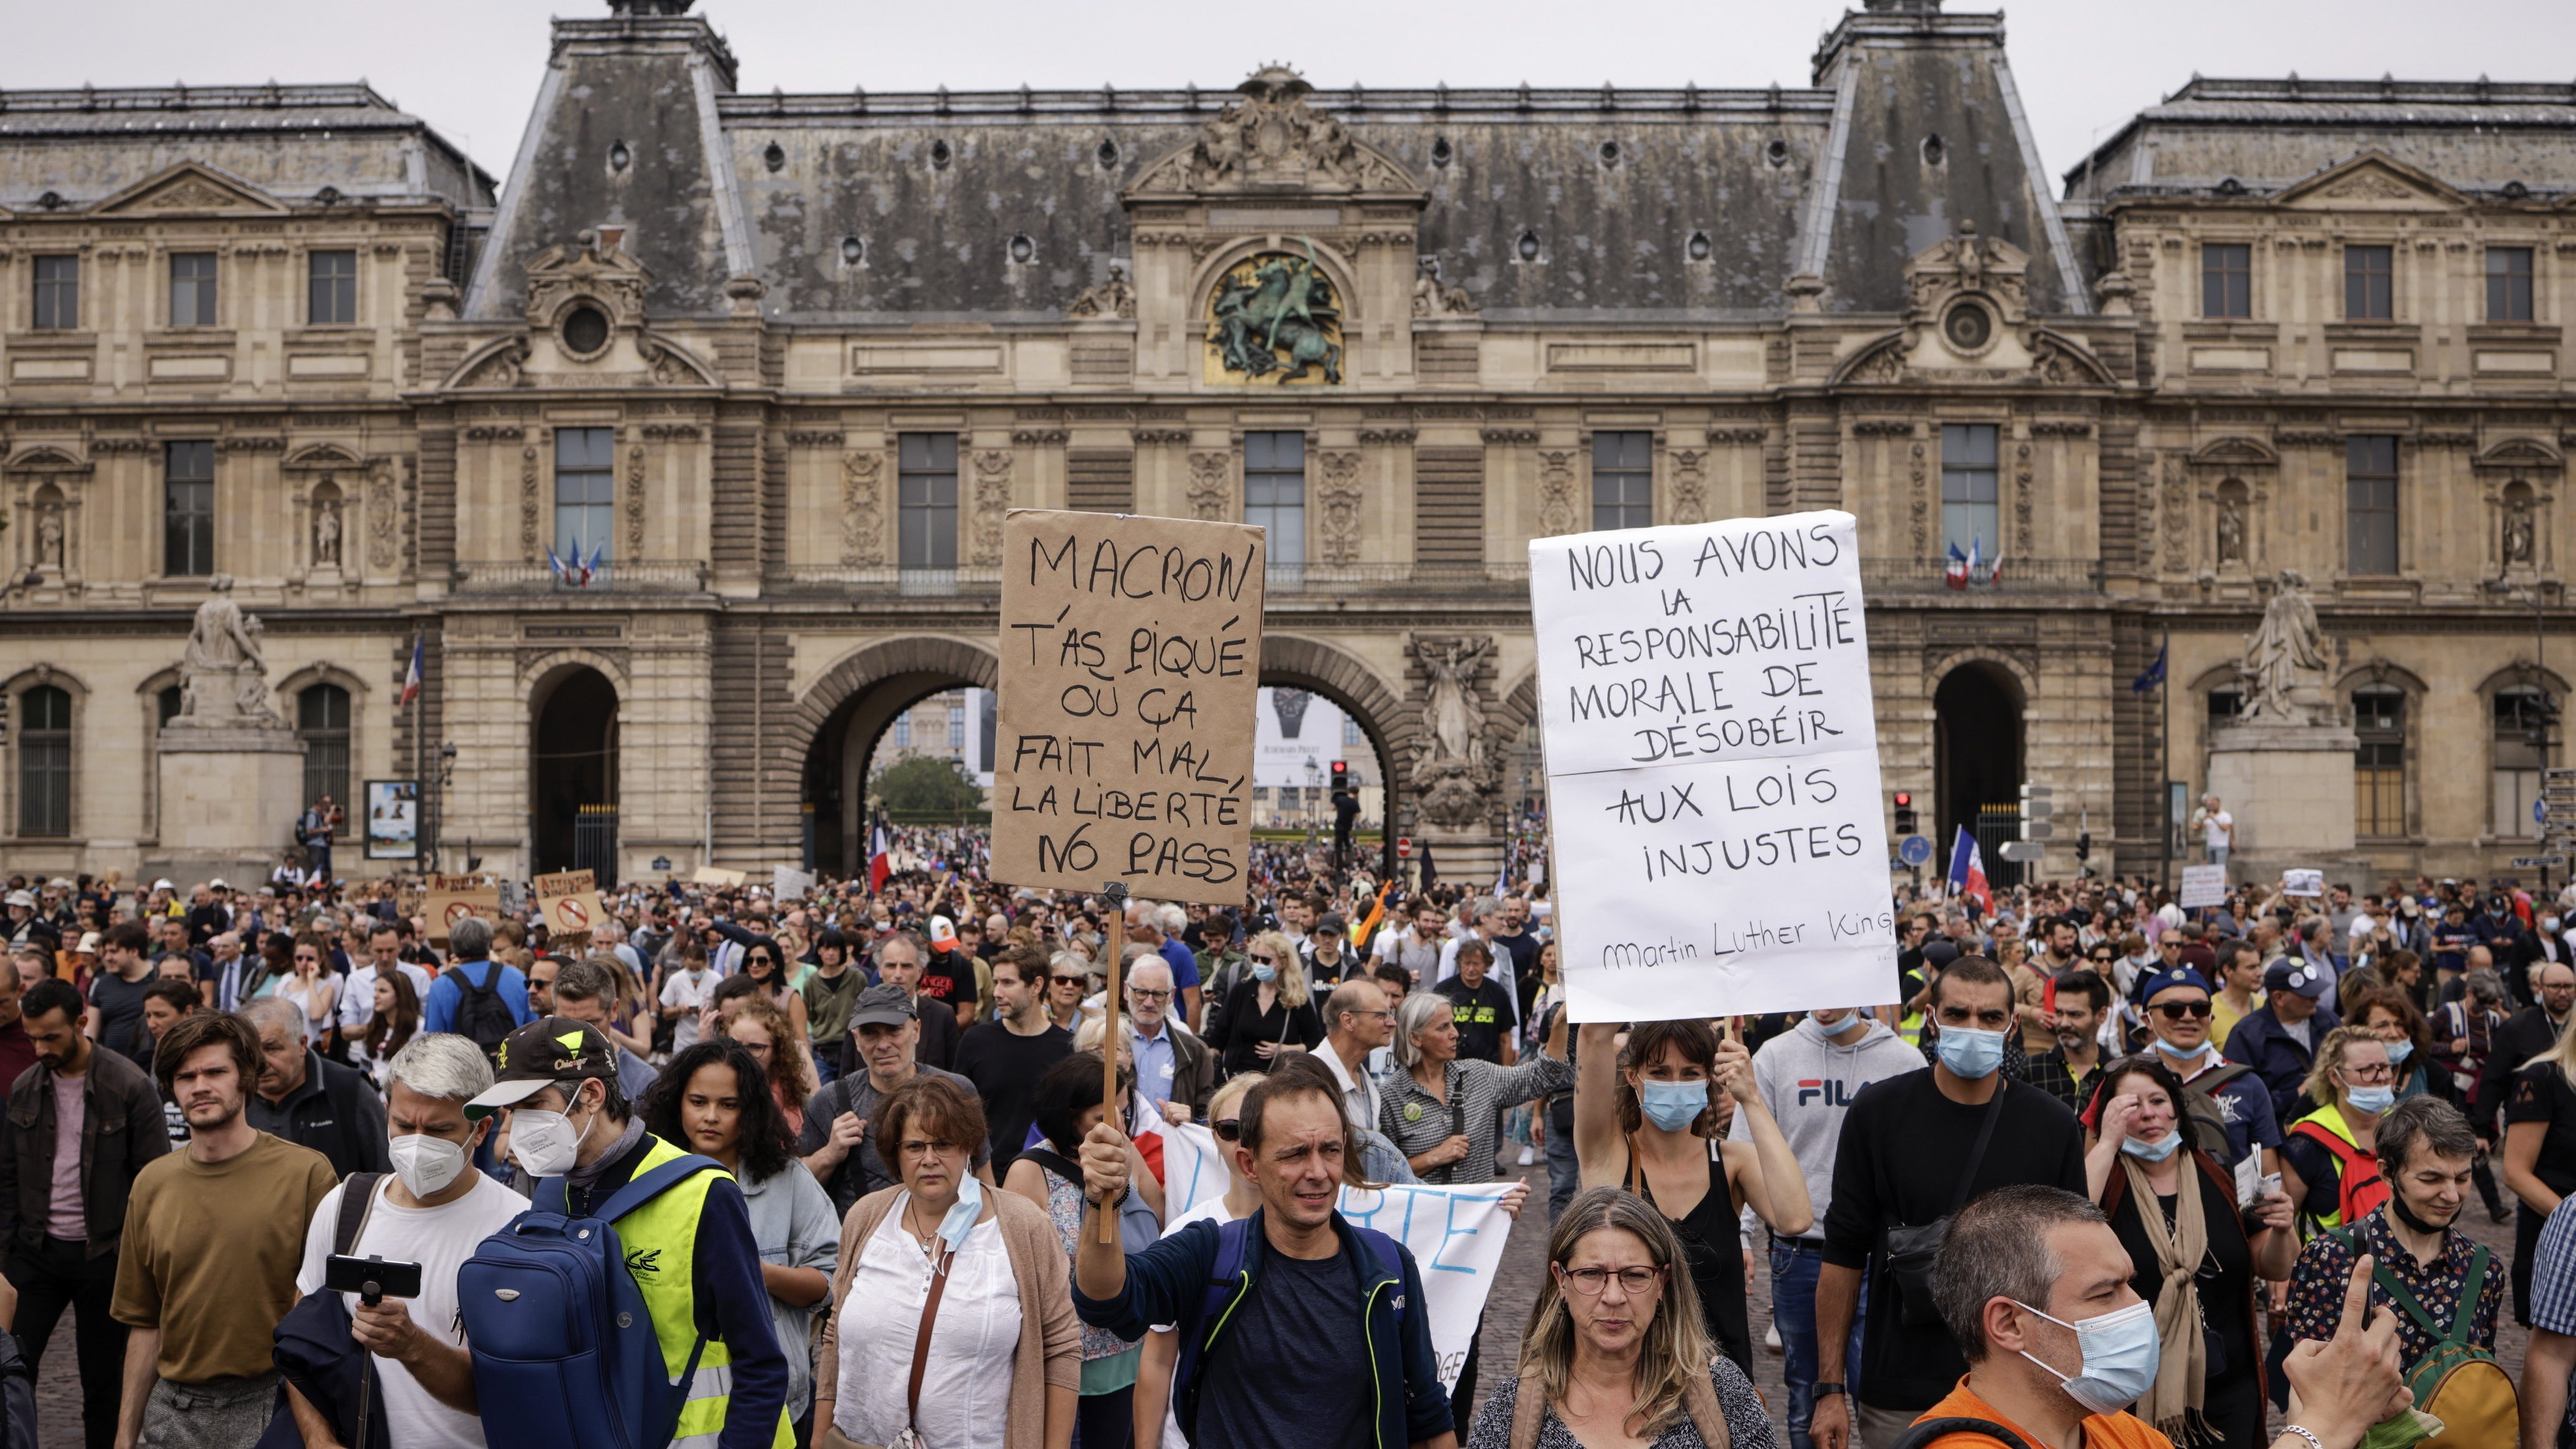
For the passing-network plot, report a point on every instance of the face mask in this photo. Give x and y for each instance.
(1834, 1019)
(2120, 1352)
(1672, 1106)
(426, 1164)
(2156, 1151)
(1265, 972)
(2399, 1051)
(2188, 1053)
(2371, 1099)
(961, 1217)
(1970, 1053)
(544, 1143)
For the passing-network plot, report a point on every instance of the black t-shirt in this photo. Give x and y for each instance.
(2541, 1094)
(2226, 1269)
(1897, 1165)
(1005, 1067)
(119, 1004)
(1483, 1013)
(948, 976)
(1292, 1369)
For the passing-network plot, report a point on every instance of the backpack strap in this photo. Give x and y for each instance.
(645, 1187)
(357, 1204)
(1699, 1400)
(1529, 1412)
(1925, 1431)
(2463, 1319)
(1055, 1163)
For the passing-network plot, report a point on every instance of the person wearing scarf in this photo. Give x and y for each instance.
(2196, 1255)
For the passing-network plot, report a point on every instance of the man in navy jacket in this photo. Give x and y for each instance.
(1317, 1306)
(2279, 1038)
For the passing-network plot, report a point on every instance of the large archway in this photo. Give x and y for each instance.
(1291, 662)
(572, 772)
(844, 715)
(1977, 748)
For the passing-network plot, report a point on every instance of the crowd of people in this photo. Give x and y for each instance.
(849, 1167)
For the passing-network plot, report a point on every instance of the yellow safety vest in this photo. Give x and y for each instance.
(661, 1243)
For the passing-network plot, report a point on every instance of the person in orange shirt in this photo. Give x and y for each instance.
(2034, 1285)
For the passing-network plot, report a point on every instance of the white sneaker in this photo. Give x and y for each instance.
(1771, 1338)
(1528, 1156)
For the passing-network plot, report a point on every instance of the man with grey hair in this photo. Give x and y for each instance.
(1156, 925)
(309, 1100)
(476, 996)
(899, 957)
(434, 1210)
(1173, 1067)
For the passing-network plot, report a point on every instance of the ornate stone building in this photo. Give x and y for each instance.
(684, 450)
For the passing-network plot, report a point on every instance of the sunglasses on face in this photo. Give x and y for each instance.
(2177, 1010)
(1068, 980)
(1229, 1130)
(1267, 960)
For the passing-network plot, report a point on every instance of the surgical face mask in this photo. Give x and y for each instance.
(2156, 1151)
(2193, 1053)
(544, 1143)
(962, 1214)
(1970, 1053)
(426, 1164)
(1672, 1106)
(1265, 972)
(1833, 1018)
(2371, 1099)
(2399, 1051)
(2120, 1350)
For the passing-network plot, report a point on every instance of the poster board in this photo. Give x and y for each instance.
(716, 875)
(787, 883)
(2203, 885)
(2303, 882)
(1131, 655)
(568, 902)
(1712, 757)
(448, 899)
(392, 819)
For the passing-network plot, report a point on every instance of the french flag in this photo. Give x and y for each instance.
(880, 860)
(1955, 574)
(411, 676)
(1968, 872)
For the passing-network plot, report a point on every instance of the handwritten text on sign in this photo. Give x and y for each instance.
(1131, 656)
(1712, 761)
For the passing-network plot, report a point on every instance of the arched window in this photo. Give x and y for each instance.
(2379, 764)
(45, 761)
(2518, 754)
(322, 722)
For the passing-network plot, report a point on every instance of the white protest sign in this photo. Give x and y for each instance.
(787, 883)
(2203, 885)
(1712, 758)
(2303, 882)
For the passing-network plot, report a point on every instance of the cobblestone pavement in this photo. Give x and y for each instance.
(1515, 1288)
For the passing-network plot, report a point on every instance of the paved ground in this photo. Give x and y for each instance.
(1516, 1287)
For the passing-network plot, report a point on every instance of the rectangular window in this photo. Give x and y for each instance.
(2226, 279)
(1274, 492)
(2369, 284)
(2379, 763)
(322, 723)
(2509, 284)
(2370, 505)
(45, 761)
(1968, 520)
(957, 727)
(57, 293)
(192, 289)
(188, 509)
(334, 290)
(903, 730)
(2520, 752)
(927, 482)
(585, 493)
(1623, 480)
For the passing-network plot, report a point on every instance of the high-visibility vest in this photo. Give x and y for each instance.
(2361, 1188)
(661, 1243)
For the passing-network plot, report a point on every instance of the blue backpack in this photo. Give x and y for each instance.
(1226, 1285)
(564, 1351)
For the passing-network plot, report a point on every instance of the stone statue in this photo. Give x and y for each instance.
(2231, 532)
(2284, 667)
(326, 534)
(1285, 304)
(223, 675)
(49, 539)
(1455, 714)
(2518, 532)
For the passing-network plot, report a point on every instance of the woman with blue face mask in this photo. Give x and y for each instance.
(1653, 1119)
(2197, 1259)
(2328, 1162)
(2385, 1013)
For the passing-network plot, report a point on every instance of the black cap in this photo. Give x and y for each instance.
(547, 1050)
(884, 1004)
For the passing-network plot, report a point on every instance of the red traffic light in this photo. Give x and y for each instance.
(1904, 798)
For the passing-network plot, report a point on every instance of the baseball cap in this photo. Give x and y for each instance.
(163, 884)
(217, 884)
(2155, 981)
(1941, 951)
(943, 931)
(88, 944)
(2289, 975)
(22, 898)
(548, 1050)
(884, 1004)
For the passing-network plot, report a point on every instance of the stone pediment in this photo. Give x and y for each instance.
(321, 457)
(2521, 455)
(42, 460)
(2230, 453)
(610, 276)
(190, 187)
(2372, 181)
(1269, 141)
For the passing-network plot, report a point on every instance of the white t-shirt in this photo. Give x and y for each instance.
(440, 1239)
(690, 990)
(2214, 827)
(358, 997)
(966, 1377)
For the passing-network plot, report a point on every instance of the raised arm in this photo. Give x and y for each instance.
(1598, 1146)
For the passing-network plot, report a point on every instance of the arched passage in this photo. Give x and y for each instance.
(1290, 662)
(843, 715)
(572, 772)
(1977, 745)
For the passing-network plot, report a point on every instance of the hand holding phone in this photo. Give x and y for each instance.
(372, 1279)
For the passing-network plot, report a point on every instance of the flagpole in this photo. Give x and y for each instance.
(422, 856)
(2164, 769)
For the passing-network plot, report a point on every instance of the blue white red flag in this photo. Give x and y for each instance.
(1968, 872)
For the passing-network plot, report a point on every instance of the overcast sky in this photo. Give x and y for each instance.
(471, 66)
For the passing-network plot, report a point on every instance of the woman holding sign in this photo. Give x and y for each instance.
(1653, 1120)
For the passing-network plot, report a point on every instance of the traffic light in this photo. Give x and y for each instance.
(1341, 776)
(2084, 847)
(2036, 808)
(1904, 812)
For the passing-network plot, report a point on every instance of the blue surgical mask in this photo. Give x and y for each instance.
(2371, 1099)
(1264, 971)
(1970, 1053)
(2120, 1351)
(1672, 1106)
(2156, 1151)
(2188, 1054)
(961, 1217)
(2399, 1051)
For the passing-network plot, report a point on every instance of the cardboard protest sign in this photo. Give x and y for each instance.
(787, 883)
(569, 903)
(449, 899)
(1131, 656)
(1712, 758)
(716, 875)
(2203, 885)
(2303, 882)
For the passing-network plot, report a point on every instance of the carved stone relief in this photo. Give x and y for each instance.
(1556, 512)
(1211, 476)
(528, 503)
(992, 500)
(635, 501)
(384, 518)
(1690, 485)
(1453, 774)
(1918, 496)
(1337, 498)
(861, 527)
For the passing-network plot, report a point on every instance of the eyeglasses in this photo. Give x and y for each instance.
(1068, 980)
(2380, 1073)
(1229, 1130)
(1146, 994)
(1590, 1281)
(2177, 1010)
(913, 1148)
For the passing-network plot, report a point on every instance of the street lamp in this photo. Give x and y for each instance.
(429, 831)
(1314, 787)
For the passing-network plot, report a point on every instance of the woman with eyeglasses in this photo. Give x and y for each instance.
(309, 981)
(2329, 1165)
(758, 1025)
(1616, 1352)
(1268, 1012)
(2388, 1013)
(1004, 1363)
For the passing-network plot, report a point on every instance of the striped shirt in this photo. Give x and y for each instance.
(1476, 1092)
(2553, 1283)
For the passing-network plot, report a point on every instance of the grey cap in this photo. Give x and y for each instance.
(883, 1004)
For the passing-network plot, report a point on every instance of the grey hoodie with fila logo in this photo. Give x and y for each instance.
(1808, 1083)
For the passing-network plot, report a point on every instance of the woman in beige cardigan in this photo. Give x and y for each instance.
(1002, 1365)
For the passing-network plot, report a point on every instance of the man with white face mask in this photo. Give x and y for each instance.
(433, 1209)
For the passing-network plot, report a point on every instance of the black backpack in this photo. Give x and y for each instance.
(482, 1016)
(1924, 1432)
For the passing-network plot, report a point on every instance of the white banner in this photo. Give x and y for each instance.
(1456, 1234)
(2203, 885)
(1712, 756)
(1296, 738)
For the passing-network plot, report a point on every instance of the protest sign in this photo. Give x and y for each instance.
(1457, 1234)
(786, 883)
(1131, 654)
(716, 875)
(2203, 885)
(2303, 882)
(451, 898)
(569, 903)
(1712, 760)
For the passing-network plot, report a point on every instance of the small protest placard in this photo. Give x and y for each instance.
(1131, 657)
(1712, 759)
(449, 899)
(569, 903)
(787, 883)
(2303, 882)
(2203, 885)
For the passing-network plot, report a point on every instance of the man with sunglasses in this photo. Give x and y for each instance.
(2178, 1008)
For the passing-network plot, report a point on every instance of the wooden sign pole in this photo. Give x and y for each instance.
(1114, 896)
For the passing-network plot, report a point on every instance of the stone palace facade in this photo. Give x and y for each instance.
(777, 364)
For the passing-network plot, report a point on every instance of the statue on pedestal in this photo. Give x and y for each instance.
(223, 677)
(2285, 663)
(1453, 776)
